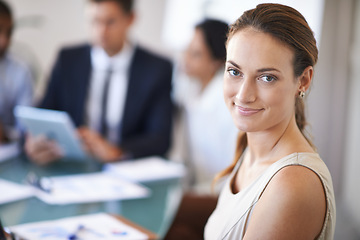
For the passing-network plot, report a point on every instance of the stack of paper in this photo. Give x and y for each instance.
(93, 187)
(146, 169)
(13, 191)
(89, 227)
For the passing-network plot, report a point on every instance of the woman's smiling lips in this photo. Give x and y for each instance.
(246, 111)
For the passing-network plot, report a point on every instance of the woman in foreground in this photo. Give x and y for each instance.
(278, 188)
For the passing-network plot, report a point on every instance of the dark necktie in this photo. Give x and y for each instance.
(104, 103)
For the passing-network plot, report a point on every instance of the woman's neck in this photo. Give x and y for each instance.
(277, 142)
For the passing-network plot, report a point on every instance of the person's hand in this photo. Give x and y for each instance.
(99, 147)
(41, 150)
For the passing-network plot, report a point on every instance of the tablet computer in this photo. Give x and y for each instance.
(55, 125)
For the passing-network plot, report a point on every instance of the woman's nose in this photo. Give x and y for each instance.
(247, 91)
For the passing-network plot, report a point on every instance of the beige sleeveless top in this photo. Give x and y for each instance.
(233, 211)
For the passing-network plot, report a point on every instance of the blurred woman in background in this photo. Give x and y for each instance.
(208, 128)
(209, 134)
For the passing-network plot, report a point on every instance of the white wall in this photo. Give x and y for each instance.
(327, 102)
(45, 25)
(351, 191)
(182, 15)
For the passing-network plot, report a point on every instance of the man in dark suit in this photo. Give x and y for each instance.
(118, 94)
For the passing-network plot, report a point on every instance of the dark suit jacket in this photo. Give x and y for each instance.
(147, 117)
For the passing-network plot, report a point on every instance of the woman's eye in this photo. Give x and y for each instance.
(267, 78)
(234, 72)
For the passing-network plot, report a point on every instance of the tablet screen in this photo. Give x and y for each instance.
(55, 125)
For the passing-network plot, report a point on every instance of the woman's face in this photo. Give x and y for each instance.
(198, 61)
(259, 83)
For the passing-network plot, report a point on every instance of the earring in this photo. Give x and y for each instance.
(302, 94)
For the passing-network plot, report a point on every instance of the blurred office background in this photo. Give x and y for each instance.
(165, 26)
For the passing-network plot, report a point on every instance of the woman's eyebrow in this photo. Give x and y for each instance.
(233, 63)
(261, 70)
(268, 70)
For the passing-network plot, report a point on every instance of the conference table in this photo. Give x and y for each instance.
(154, 213)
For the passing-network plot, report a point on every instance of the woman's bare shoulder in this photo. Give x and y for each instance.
(292, 206)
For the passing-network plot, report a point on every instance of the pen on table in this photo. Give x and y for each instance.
(81, 228)
(40, 183)
(75, 235)
(119, 233)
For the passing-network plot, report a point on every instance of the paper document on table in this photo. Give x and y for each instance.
(146, 169)
(92, 187)
(13, 192)
(9, 150)
(89, 227)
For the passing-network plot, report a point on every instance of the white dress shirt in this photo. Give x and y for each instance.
(210, 134)
(119, 65)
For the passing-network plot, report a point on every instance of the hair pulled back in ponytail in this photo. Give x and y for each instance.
(290, 27)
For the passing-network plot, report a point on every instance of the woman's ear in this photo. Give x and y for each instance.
(305, 79)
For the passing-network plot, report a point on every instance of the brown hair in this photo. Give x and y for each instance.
(5, 9)
(289, 26)
(215, 34)
(126, 5)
